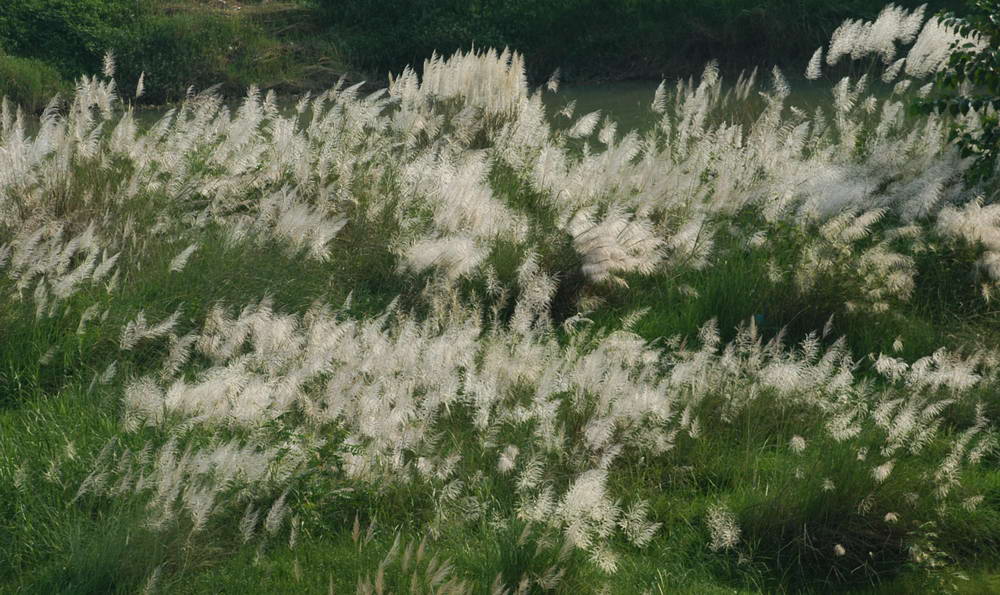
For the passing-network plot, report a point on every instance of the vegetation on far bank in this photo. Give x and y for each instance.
(299, 45)
(597, 39)
(178, 45)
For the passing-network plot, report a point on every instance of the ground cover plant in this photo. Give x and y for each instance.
(435, 339)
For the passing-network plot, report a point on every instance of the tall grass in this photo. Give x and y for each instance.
(460, 345)
(177, 45)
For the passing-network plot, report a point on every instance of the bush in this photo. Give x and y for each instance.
(27, 82)
(194, 49)
(972, 81)
(71, 35)
(614, 38)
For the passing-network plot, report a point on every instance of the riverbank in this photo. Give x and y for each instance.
(598, 40)
(298, 45)
(173, 46)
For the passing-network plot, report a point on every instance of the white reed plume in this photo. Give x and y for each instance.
(553, 83)
(460, 197)
(882, 472)
(723, 527)
(248, 523)
(508, 459)
(138, 329)
(933, 47)
(859, 38)
(639, 530)
(108, 67)
(616, 244)
(276, 515)
(815, 68)
(584, 126)
(586, 511)
(494, 81)
(659, 104)
(180, 261)
(455, 256)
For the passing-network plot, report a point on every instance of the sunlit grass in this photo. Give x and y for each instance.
(443, 337)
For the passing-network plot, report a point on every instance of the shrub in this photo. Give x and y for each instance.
(972, 82)
(175, 50)
(187, 49)
(71, 35)
(28, 82)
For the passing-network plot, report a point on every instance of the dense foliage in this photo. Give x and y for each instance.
(28, 82)
(596, 38)
(972, 82)
(311, 43)
(182, 50)
(71, 35)
(175, 48)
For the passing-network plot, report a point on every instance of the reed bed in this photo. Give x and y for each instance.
(462, 346)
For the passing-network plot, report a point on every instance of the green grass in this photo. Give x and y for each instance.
(28, 82)
(56, 420)
(88, 547)
(85, 546)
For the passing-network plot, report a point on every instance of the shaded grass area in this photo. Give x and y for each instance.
(275, 45)
(29, 82)
(737, 290)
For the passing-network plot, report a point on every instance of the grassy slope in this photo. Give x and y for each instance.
(93, 547)
(96, 548)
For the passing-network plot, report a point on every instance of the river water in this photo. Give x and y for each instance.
(627, 103)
